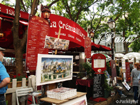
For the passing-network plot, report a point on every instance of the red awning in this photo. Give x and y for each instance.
(7, 17)
(104, 48)
(10, 12)
(94, 47)
(23, 22)
(7, 40)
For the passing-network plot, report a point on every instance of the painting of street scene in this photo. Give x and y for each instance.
(55, 68)
(55, 43)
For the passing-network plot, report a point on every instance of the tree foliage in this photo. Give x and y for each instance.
(126, 14)
(73, 9)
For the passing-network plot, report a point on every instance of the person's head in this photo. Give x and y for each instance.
(136, 65)
(1, 55)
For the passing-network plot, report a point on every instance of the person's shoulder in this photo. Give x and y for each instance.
(133, 70)
(1, 65)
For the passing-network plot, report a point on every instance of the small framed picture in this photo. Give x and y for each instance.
(126, 85)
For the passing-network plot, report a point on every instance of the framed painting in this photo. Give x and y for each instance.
(56, 43)
(53, 69)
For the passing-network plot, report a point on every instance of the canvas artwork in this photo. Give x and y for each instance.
(53, 68)
(83, 102)
(55, 43)
(126, 85)
(77, 101)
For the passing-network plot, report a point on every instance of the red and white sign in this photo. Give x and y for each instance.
(88, 47)
(38, 29)
(11, 11)
(69, 29)
(98, 63)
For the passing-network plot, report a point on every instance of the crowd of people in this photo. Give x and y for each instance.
(134, 82)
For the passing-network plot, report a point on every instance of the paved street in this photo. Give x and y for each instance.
(122, 101)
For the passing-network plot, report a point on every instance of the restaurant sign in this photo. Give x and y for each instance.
(98, 63)
(69, 29)
(38, 29)
(88, 47)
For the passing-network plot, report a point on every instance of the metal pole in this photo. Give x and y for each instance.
(113, 44)
(112, 47)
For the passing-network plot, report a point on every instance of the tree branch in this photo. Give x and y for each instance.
(134, 39)
(101, 38)
(98, 24)
(90, 5)
(23, 5)
(78, 13)
(67, 9)
(34, 5)
(53, 3)
(118, 15)
(37, 3)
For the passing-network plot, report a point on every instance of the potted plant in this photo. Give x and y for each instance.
(86, 71)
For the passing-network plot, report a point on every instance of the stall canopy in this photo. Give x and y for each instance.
(119, 55)
(132, 56)
(94, 47)
(104, 48)
(6, 23)
(81, 48)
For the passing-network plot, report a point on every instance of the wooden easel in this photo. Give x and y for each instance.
(50, 86)
(58, 39)
(59, 84)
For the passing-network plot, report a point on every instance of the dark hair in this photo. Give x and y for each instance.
(138, 67)
(120, 63)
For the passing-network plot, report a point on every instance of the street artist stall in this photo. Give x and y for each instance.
(52, 69)
(59, 33)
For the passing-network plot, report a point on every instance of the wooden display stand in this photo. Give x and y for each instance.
(58, 102)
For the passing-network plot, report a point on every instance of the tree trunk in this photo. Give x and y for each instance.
(126, 47)
(19, 62)
(17, 42)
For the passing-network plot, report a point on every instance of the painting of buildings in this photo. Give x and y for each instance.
(54, 68)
